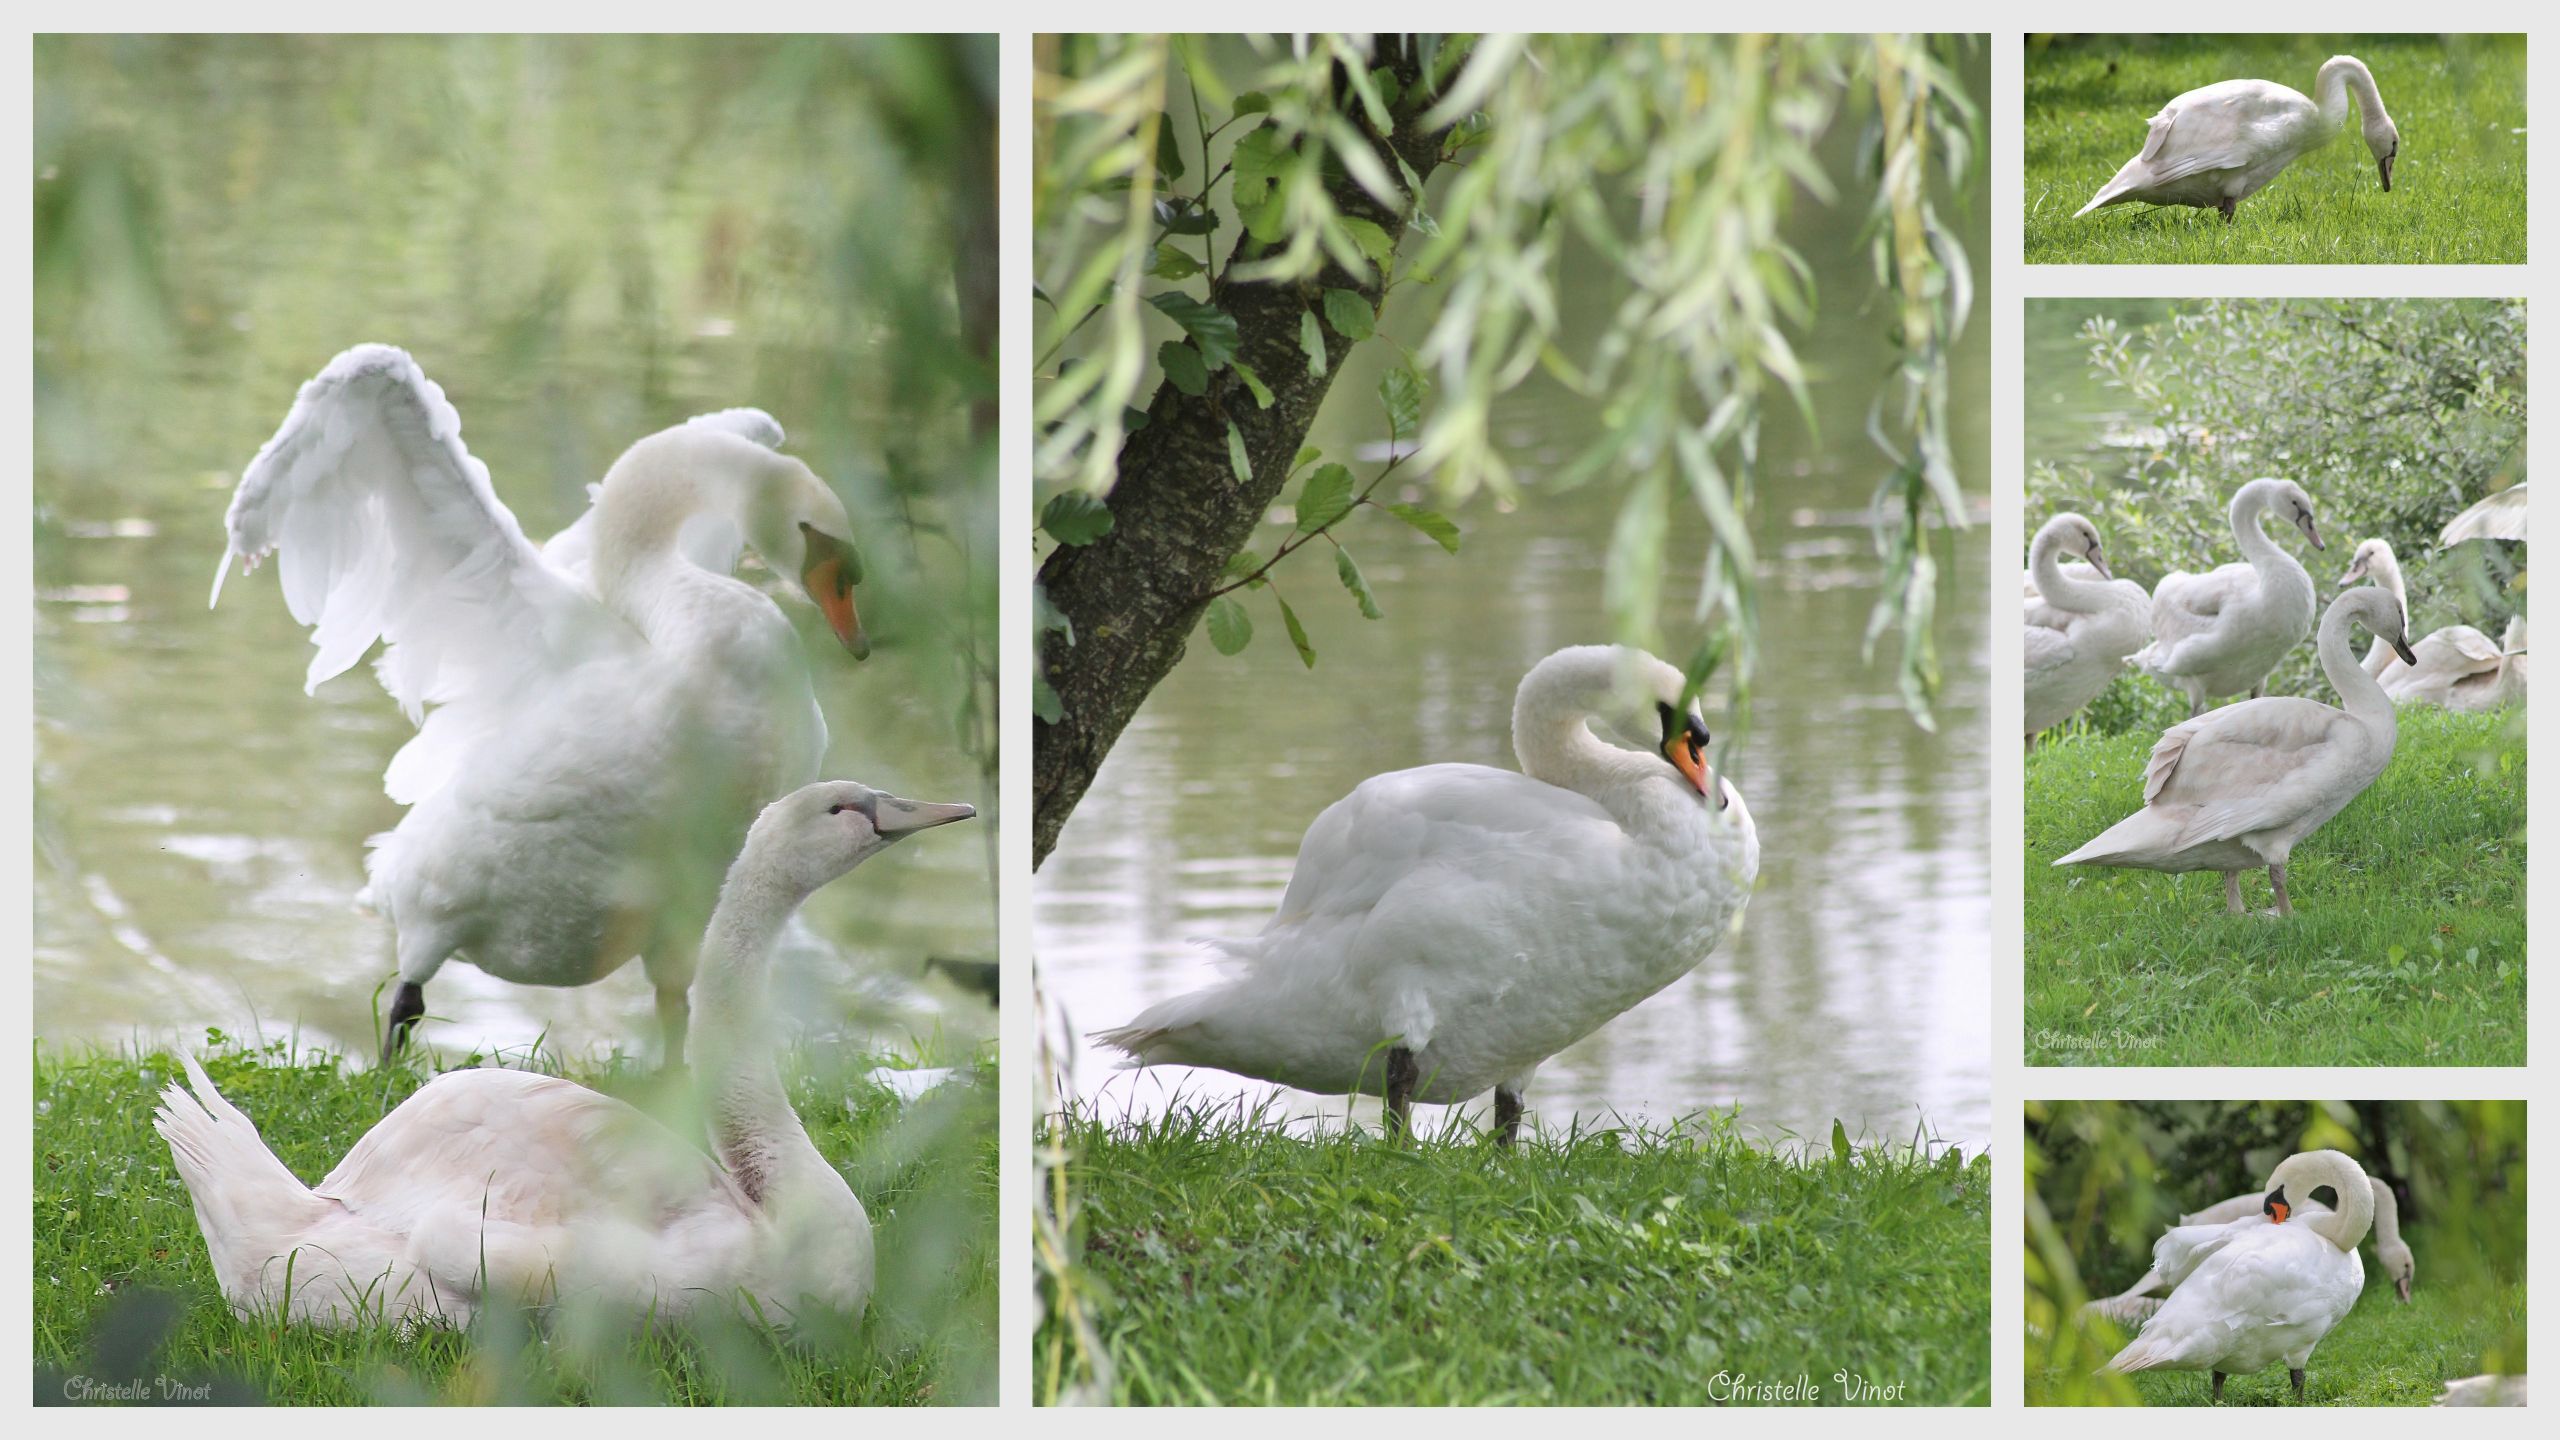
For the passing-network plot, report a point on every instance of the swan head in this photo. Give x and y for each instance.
(2345, 1219)
(2286, 501)
(2077, 536)
(817, 833)
(798, 525)
(2377, 610)
(2373, 561)
(1640, 696)
(2399, 1264)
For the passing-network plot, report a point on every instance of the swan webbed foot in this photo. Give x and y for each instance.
(1507, 1107)
(408, 1007)
(2231, 893)
(2218, 1378)
(675, 1011)
(1403, 1073)
(2298, 1377)
(2284, 900)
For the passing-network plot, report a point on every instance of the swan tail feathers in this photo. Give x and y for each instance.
(2142, 1354)
(1165, 1033)
(241, 1190)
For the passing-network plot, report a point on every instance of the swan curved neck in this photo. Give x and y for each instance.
(2358, 692)
(2248, 511)
(2061, 589)
(2343, 76)
(2344, 1227)
(1551, 731)
(756, 1133)
(2386, 1213)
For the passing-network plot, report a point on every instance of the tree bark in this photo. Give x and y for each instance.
(1179, 513)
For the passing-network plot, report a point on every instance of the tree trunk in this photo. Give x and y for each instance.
(1179, 513)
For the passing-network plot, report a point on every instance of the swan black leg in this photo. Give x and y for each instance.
(1403, 1073)
(1506, 1116)
(2229, 208)
(675, 1010)
(408, 1007)
(2298, 1378)
(2218, 1378)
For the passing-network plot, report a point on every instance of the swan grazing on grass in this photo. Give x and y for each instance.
(2457, 667)
(2215, 147)
(2249, 1293)
(2221, 632)
(2393, 1252)
(598, 720)
(498, 1186)
(2237, 788)
(2081, 623)
(1448, 928)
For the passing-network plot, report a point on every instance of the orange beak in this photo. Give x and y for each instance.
(1689, 758)
(2278, 1209)
(830, 575)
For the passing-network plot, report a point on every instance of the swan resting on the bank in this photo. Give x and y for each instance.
(1450, 927)
(503, 1187)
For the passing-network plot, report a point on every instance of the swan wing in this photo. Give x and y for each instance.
(1392, 824)
(2049, 651)
(2243, 768)
(2500, 517)
(385, 527)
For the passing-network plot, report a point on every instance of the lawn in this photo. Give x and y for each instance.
(123, 1289)
(1225, 1262)
(2457, 190)
(2407, 945)
(2382, 1353)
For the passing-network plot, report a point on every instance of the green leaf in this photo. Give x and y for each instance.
(1184, 367)
(1173, 263)
(1253, 382)
(1839, 1142)
(1373, 242)
(1356, 583)
(1400, 390)
(1230, 629)
(1257, 158)
(1349, 312)
(1044, 701)
(1237, 460)
(1326, 498)
(1307, 455)
(1297, 632)
(1210, 328)
(1311, 340)
(1244, 564)
(1430, 522)
(1252, 102)
(1073, 517)
(1168, 150)
(1182, 215)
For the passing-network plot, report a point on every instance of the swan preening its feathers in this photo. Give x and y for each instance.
(2263, 1288)
(2082, 623)
(623, 649)
(2399, 1264)
(2215, 147)
(1450, 927)
(2221, 632)
(2236, 788)
(502, 1187)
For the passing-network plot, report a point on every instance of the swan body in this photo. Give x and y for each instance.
(2484, 1390)
(2214, 147)
(2237, 788)
(2254, 1291)
(2221, 632)
(625, 648)
(497, 1186)
(2457, 667)
(1450, 927)
(2081, 623)
(2398, 1263)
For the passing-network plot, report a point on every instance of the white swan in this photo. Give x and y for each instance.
(500, 1186)
(2215, 147)
(2484, 1390)
(1448, 928)
(2393, 1252)
(2457, 667)
(2499, 517)
(2081, 623)
(2375, 560)
(598, 721)
(2254, 1291)
(2221, 632)
(2238, 788)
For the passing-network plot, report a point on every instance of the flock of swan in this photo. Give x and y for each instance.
(2213, 147)
(617, 756)
(2235, 789)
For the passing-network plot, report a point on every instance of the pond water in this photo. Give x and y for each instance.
(576, 269)
(1859, 989)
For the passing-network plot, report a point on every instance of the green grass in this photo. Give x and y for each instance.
(1226, 1262)
(123, 1289)
(2382, 1353)
(2457, 190)
(2406, 947)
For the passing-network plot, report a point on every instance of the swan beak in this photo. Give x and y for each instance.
(2407, 656)
(2354, 573)
(2277, 1207)
(2311, 528)
(2401, 1284)
(902, 817)
(1684, 744)
(2098, 562)
(831, 572)
(2384, 165)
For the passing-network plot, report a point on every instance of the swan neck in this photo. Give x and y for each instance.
(1551, 735)
(2386, 1212)
(2340, 78)
(753, 1127)
(2358, 692)
(2061, 589)
(2248, 512)
(2346, 1226)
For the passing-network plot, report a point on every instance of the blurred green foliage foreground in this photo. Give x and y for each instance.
(2105, 1178)
(125, 1295)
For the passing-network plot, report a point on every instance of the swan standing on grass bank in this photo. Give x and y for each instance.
(2389, 1249)
(2237, 788)
(501, 1186)
(1450, 927)
(2258, 1290)
(598, 720)
(2215, 147)
(2221, 632)
(2081, 623)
